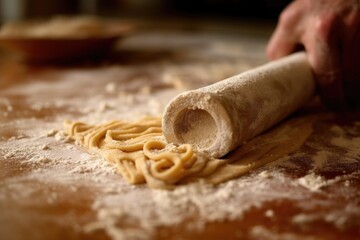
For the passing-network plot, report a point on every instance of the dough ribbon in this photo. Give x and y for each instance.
(142, 155)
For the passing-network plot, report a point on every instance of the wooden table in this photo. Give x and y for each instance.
(52, 189)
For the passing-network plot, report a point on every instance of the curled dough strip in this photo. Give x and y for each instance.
(138, 151)
(169, 165)
(130, 171)
(141, 155)
(121, 135)
(129, 145)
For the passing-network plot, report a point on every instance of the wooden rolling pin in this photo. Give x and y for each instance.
(220, 117)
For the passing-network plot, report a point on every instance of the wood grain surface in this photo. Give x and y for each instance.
(52, 189)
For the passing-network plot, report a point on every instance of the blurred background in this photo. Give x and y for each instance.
(232, 10)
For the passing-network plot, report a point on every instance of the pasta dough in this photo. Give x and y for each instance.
(141, 154)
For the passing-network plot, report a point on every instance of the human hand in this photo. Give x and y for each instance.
(329, 30)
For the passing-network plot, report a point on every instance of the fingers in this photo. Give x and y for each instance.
(280, 44)
(322, 45)
(330, 33)
(285, 38)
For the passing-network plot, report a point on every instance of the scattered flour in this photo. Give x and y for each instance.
(171, 208)
(315, 182)
(42, 156)
(312, 182)
(269, 213)
(347, 217)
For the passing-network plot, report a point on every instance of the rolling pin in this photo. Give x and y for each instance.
(220, 117)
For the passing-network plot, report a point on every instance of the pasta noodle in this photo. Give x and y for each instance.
(142, 155)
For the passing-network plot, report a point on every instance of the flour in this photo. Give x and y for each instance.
(171, 208)
(312, 182)
(320, 159)
(44, 170)
(342, 219)
(55, 161)
(269, 213)
(351, 144)
(52, 160)
(110, 87)
(315, 182)
(264, 174)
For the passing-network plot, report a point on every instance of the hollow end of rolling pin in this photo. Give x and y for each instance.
(198, 119)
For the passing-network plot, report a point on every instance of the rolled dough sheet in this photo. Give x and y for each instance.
(218, 118)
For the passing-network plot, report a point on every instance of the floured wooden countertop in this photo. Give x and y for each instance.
(52, 189)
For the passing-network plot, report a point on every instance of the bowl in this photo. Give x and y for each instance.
(60, 43)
